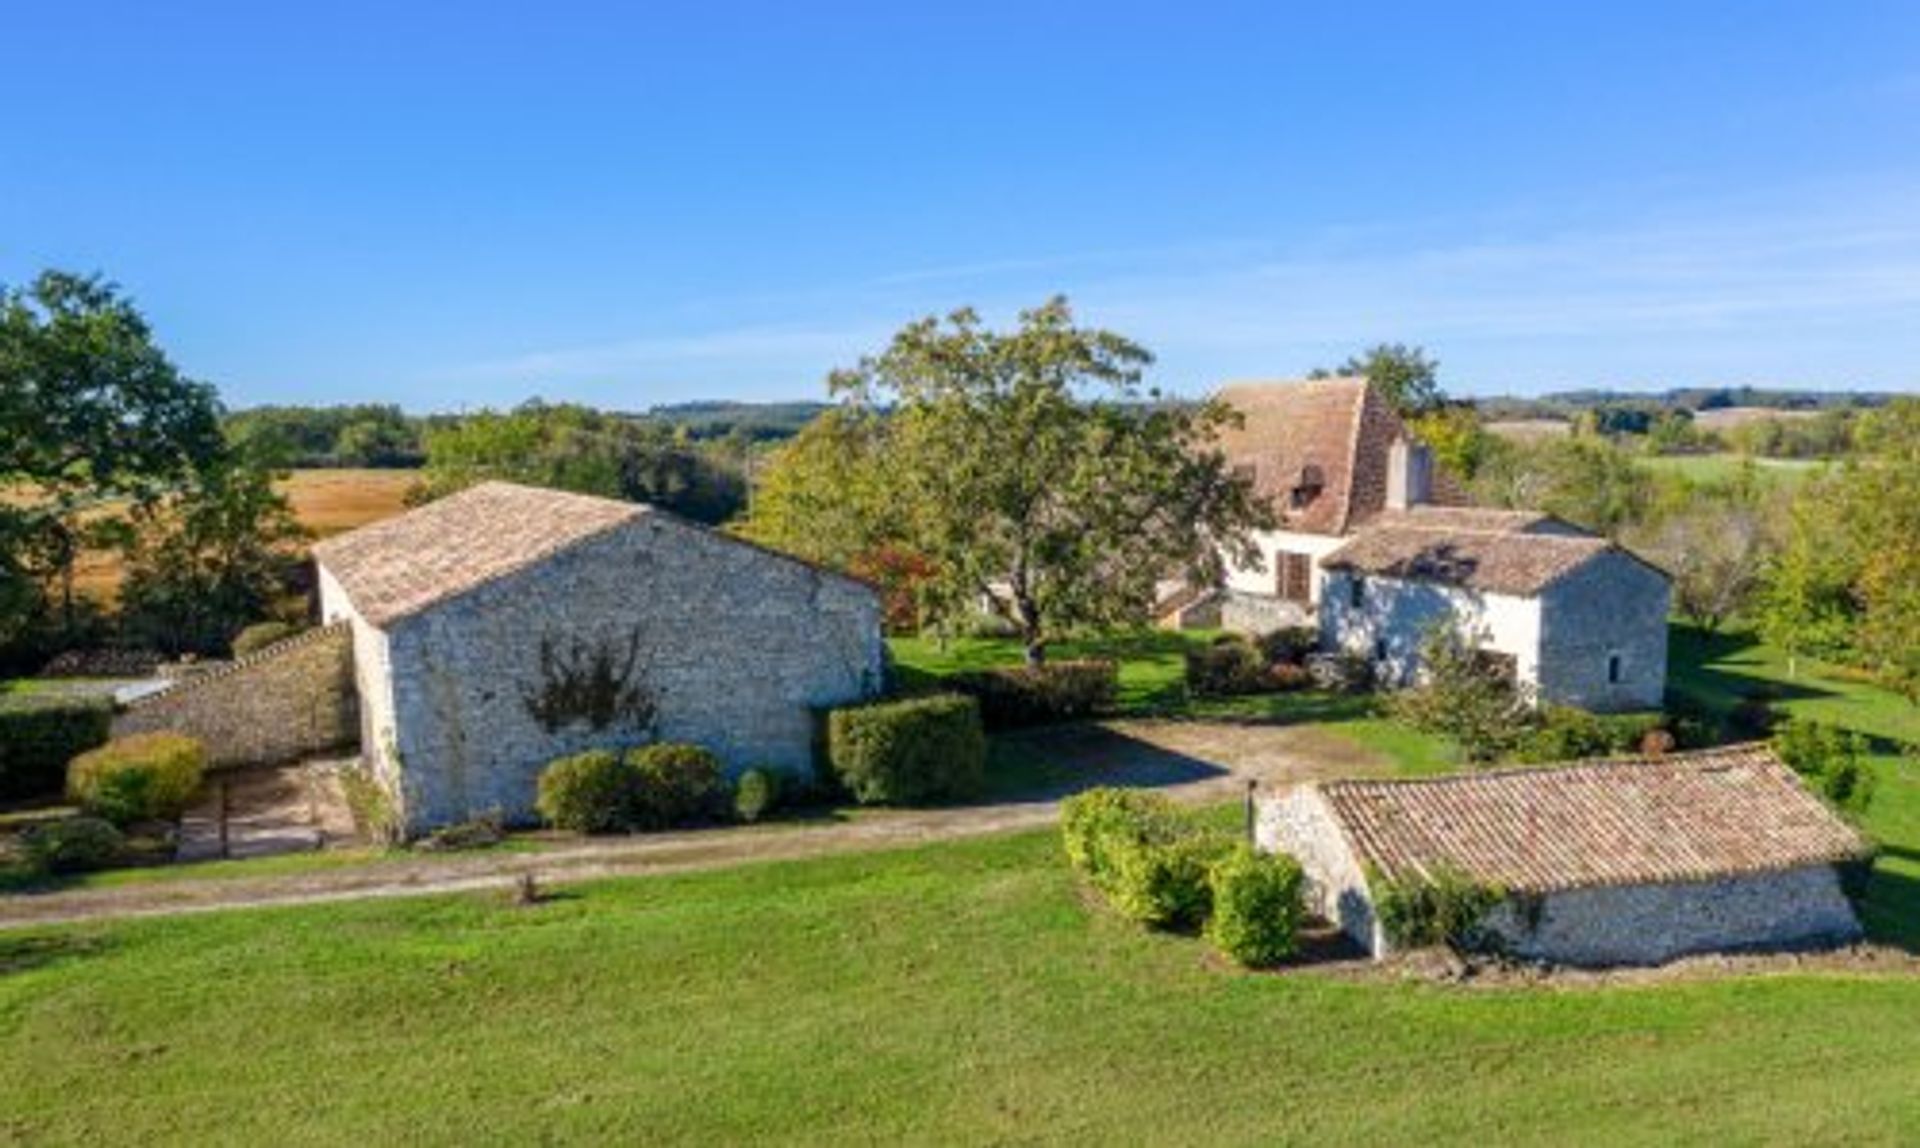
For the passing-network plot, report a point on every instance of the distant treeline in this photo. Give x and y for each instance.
(382, 435)
(1565, 405)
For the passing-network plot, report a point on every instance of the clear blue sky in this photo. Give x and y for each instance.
(628, 205)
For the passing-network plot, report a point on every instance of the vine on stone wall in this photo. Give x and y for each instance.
(596, 683)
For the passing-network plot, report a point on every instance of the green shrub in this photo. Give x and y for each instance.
(260, 635)
(757, 793)
(1012, 696)
(908, 751)
(1566, 733)
(72, 845)
(1284, 676)
(1289, 645)
(145, 777)
(591, 792)
(1258, 900)
(1830, 760)
(1228, 666)
(38, 737)
(1164, 883)
(1444, 909)
(675, 784)
(1090, 820)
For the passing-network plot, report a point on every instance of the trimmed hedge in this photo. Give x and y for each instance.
(39, 737)
(1228, 666)
(756, 794)
(1564, 733)
(260, 635)
(145, 777)
(1258, 900)
(1289, 645)
(675, 784)
(1148, 857)
(1012, 696)
(908, 751)
(589, 792)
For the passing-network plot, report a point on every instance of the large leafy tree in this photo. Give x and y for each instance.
(1036, 474)
(1405, 375)
(92, 415)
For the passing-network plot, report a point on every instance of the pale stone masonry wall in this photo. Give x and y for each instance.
(738, 646)
(1613, 607)
(290, 700)
(1298, 823)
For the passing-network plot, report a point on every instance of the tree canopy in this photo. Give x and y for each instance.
(1405, 375)
(1037, 476)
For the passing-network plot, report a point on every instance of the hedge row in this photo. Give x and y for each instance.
(1012, 696)
(909, 751)
(1158, 866)
(145, 777)
(1232, 665)
(652, 787)
(38, 739)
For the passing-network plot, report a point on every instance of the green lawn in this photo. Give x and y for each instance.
(1717, 468)
(957, 992)
(961, 992)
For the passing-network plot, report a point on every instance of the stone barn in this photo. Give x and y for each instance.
(1601, 862)
(504, 626)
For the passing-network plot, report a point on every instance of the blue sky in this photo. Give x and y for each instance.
(467, 204)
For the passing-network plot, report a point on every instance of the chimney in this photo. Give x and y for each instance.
(1409, 474)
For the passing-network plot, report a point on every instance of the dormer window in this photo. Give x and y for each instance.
(1311, 482)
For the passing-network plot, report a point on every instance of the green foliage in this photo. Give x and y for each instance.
(757, 793)
(1025, 467)
(209, 559)
(1012, 696)
(1230, 666)
(1566, 733)
(580, 449)
(91, 411)
(38, 737)
(1446, 908)
(142, 777)
(824, 495)
(1258, 901)
(368, 434)
(1830, 759)
(674, 784)
(1150, 858)
(909, 751)
(1404, 375)
(1590, 482)
(591, 792)
(1462, 696)
(72, 845)
(1289, 645)
(260, 635)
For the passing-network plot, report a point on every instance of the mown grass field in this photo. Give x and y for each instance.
(961, 992)
(1719, 468)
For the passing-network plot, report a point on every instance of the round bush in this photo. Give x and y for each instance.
(675, 784)
(756, 794)
(1089, 821)
(1257, 905)
(590, 792)
(145, 777)
(260, 635)
(73, 845)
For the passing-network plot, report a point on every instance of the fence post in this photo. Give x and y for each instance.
(1252, 784)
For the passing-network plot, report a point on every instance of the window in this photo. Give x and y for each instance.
(1613, 669)
(1293, 576)
(1379, 649)
(1356, 592)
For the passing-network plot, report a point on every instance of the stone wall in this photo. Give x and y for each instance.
(1614, 606)
(290, 700)
(1256, 614)
(1648, 924)
(1299, 823)
(736, 647)
(1392, 619)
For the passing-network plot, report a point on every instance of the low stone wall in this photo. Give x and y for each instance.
(289, 700)
(1256, 614)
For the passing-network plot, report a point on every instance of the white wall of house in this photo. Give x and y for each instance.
(372, 678)
(1393, 615)
(1248, 580)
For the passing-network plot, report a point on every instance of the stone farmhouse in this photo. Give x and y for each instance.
(1375, 544)
(1601, 862)
(504, 626)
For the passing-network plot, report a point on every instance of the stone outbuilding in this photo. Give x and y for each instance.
(1633, 861)
(504, 626)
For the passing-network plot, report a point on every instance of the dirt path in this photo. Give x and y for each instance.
(1193, 762)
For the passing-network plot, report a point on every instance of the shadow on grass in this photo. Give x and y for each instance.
(1891, 909)
(1047, 763)
(1699, 670)
(24, 954)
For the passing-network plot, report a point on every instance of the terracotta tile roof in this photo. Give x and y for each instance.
(1500, 562)
(1333, 432)
(1484, 518)
(1683, 817)
(402, 565)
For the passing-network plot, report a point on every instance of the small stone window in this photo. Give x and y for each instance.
(1356, 593)
(1379, 649)
(1614, 669)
